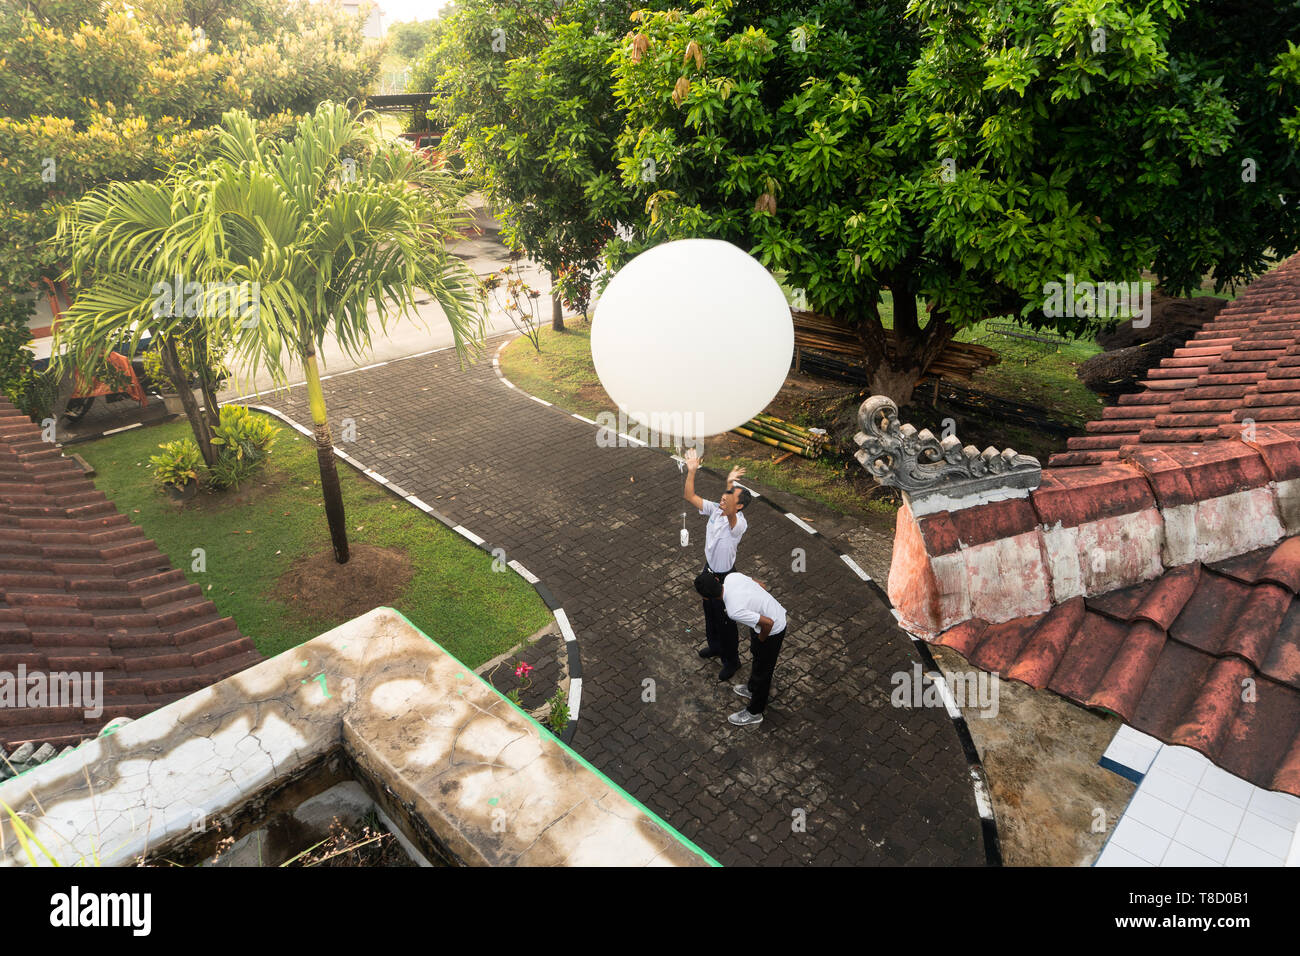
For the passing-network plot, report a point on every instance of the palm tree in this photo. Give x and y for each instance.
(323, 226)
(126, 242)
(328, 223)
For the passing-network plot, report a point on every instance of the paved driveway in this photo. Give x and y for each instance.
(834, 774)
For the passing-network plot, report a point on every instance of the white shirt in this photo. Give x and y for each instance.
(720, 538)
(746, 601)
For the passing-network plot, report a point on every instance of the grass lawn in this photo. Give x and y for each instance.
(562, 372)
(1037, 373)
(252, 535)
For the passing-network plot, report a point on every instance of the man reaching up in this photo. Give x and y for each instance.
(722, 535)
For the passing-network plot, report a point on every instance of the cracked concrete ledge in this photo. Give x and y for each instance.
(488, 782)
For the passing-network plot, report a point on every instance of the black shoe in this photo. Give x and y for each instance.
(707, 652)
(727, 671)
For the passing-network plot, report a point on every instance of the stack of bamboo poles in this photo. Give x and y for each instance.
(958, 360)
(784, 435)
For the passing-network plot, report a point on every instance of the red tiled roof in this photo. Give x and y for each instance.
(1245, 364)
(1154, 571)
(83, 590)
(1180, 658)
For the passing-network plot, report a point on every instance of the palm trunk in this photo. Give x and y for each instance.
(213, 412)
(210, 405)
(180, 382)
(329, 475)
(557, 313)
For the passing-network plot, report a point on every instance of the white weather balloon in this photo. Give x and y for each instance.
(694, 331)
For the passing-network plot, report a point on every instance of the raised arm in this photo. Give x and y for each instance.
(731, 486)
(692, 463)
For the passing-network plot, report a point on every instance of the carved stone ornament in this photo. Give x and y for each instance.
(920, 464)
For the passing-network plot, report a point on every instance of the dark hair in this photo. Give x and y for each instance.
(743, 497)
(708, 585)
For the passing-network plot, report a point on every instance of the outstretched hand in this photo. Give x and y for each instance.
(692, 459)
(734, 474)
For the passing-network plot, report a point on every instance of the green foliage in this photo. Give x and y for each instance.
(407, 40)
(327, 224)
(328, 240)
(34, 393)
(97, 92)
(1285, 80)
(15, 359)
(244, 440)
(558, 719)
(179, 464)
(534, 115)
(193, 364)
(965, 153)
(153, 368)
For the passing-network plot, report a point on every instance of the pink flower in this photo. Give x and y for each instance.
(523, 669)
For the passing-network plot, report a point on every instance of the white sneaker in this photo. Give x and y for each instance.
(743, 717)
(743, 691)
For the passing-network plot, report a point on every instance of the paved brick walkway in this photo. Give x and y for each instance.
(600, 526)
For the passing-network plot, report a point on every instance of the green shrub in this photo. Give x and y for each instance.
(558, 719)
(153, 369)
(243, 440)
(157, 374)
(34, 393)
(179, 463)
(15, 358)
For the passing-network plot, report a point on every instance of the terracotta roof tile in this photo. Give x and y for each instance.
(1206, 656)
(1175, 657)
(946, 532)
(1183, 474)
(82, 589)
(1250, 350)
(1074, 496)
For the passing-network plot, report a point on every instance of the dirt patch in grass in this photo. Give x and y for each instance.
(318, 587)
(594, 396)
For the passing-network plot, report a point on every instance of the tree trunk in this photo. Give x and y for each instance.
(557, 306)
(180, 381)
(894, 371)
(329, 475)
(210, 407)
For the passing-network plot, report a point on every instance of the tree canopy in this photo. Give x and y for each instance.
(407, 40)
(95, 92)
(276, 245)
(525, 88)
(964, 153)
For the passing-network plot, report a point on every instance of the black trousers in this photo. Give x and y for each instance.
(760, 674)
(719, 630)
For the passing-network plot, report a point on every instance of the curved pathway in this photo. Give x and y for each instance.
(834, 774)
